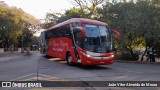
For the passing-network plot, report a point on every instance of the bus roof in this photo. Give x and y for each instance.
(82, 20)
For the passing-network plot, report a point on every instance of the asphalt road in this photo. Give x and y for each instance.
(35, 67)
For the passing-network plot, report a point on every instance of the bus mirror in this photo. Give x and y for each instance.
(116, 33)
(77, 29)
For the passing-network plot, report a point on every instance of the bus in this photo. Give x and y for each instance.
(79, 40)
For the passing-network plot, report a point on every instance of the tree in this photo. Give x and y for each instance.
(13, 22)
(9, 26)
(72, 13)
(137, 22)
(88, 8)
(51, 19)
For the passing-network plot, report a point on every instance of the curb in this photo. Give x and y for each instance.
(138, 62)
(6, 54)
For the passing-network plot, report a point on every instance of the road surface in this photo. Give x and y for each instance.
(36, 67)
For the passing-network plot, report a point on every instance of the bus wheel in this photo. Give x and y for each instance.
(69, 59)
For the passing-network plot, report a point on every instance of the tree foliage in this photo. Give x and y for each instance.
(82, 9)
(50, 19)
(14, 23)
(88, 8)
(138, 23)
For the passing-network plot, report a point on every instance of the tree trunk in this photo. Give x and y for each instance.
(131, 51)
(28, 51)
(144, 54)
(22, 50)
(12, 48)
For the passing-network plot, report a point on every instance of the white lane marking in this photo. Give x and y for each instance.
(23, 76)
(34, 77)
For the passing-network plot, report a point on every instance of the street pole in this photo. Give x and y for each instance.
(22, 49)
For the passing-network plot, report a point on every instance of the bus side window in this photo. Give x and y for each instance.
(58, 32)
(67, 31)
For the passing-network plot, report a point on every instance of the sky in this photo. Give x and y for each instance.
(38, 8)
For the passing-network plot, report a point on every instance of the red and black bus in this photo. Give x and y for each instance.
(79, 40)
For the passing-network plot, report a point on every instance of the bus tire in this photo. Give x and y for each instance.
(69, 59)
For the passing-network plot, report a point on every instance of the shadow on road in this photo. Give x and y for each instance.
(86, 67)
(96, 67)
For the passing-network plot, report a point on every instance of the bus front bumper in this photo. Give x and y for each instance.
(88, 60)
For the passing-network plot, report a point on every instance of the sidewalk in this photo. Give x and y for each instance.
(139, 62)
(157, 61)
(4, 54)
(9, 55)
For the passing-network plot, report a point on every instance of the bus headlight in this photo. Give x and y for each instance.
(86, 54)
(112, 55)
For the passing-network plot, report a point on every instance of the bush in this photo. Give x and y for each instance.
(127, 56)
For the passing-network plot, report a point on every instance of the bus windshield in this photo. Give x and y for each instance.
(98, 39)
